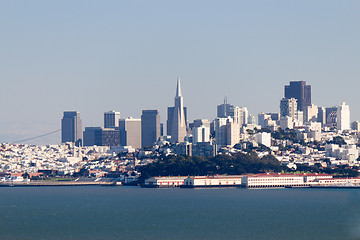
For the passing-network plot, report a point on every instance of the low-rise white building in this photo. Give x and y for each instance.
(268, 180)
(213, 181)
(158, 182)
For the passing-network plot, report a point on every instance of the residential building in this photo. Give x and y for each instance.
(343, 117)
(263, 138)
(206, 149)
(286, 122)
(355, 126)
(288, 107)
(240, 115)
(201, 134)
(311, 113)
(331, 116)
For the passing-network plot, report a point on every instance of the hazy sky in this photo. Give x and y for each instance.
(96, 56)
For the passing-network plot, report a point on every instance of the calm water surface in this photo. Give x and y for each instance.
(135, 213)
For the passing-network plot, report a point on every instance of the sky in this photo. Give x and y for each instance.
(96, 56)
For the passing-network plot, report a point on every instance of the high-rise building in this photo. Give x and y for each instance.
(343, 117)
(286, 122)
(251, 119)
(321, 116)
(200, 122)
(288, 107)
(227, 132)
(311, 113)
(150, 127)
(71, 128)
(221, 131)
(240, 115)
(225, 110)
(355, 126)
(177, 119)
(111, 119)
(331, 116)
(300, 91)
(130, 132)
(261, 119)
(101, 136)
(201, 134)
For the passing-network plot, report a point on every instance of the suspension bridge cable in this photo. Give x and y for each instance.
(43, 135)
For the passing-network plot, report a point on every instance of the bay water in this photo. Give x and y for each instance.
(96, 212)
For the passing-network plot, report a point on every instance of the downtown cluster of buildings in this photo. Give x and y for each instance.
(122, 144)
(233, 125)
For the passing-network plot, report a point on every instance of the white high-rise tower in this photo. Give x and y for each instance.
(177, 122)
(343, 117)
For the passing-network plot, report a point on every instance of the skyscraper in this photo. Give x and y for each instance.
(101, 136)
(111, 119)
(150, 127)
(343, 117)
(130, 132)
(71, 128)
(177, 120)
(225, 110)
(300, 91)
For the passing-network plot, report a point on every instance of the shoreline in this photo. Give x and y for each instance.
(109, 184)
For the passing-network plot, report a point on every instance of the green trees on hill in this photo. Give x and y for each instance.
(236, 164)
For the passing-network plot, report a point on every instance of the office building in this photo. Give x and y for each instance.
(225, 110)
(101, 136)
(343, 117)
(301, 92)
(130, 132)
(177, 119)
(111, 119)
(150, 127)
(71, 128)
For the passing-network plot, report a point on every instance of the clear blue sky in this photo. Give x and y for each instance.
(95, 56)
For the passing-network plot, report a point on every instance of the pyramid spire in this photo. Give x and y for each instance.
(178, 88)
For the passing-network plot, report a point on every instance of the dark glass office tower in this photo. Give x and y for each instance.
(300, 91)
(150, 127)
(71, 128)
